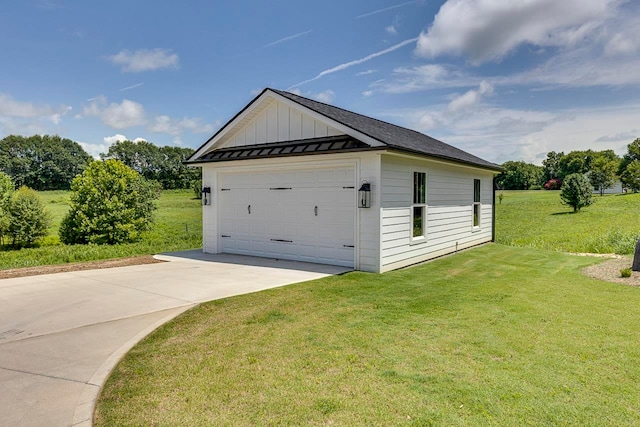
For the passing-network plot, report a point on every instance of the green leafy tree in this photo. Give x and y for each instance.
(604, 169)
(575, 162)
(110, 203)
(633, 154)
(7, 187)
(518, 175)
(551, 165)
(631, 176)
(163, 164)
(576, 191)
(42, 162)
(28, 219)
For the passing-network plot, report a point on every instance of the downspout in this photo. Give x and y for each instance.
(493, 212)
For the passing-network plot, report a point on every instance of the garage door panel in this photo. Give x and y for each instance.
(290, 214)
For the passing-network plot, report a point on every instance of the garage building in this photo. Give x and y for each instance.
(292, 178)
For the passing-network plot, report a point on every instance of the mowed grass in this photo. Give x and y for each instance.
(178, 226)
(538, 219)
(496, 335)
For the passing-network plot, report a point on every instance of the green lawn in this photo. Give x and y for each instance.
(537, 219)
(178, 226)
(497, 335)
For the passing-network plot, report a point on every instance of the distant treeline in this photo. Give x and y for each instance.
(602, 168)
(46, 162)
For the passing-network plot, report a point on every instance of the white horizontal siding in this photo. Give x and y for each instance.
(279, 122)
(449, 225)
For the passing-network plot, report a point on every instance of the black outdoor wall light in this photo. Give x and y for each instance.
(364, 195)
(206, 195)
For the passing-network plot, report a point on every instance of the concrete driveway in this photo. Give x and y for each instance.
(61, 334)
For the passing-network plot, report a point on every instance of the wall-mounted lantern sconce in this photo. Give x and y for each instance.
(206, 195)
(364, 195)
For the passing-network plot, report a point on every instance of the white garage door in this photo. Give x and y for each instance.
(305, 215)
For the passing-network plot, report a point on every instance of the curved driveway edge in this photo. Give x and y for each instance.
(62, 334)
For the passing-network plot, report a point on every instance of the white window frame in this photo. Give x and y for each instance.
(421, 204)
(476, 205)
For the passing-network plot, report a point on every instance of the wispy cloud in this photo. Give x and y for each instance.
(145, 60)
(375, 12)
(366, 73)
(117, 116)
(288, 38)
(131, 87)
(355, 62)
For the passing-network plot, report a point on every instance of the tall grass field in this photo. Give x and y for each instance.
(178, 226)
(538, 219)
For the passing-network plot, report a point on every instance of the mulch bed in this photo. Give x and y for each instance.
(610, 271)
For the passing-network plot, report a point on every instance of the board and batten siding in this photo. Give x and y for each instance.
(278, 122)
(449, 225)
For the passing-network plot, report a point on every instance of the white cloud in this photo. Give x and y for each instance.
(367, 93)
(470, 98)
(117, 116)
(174, 127)
(109, 140)
(391, 29)
(622, 44)
(366, 73)
(145, 60)
(326, 96)
(9, 107)
(485, 30)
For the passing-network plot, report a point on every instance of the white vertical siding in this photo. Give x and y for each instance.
(278, 122)
(449, 224)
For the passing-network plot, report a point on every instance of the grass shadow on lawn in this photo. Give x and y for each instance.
(497, 334)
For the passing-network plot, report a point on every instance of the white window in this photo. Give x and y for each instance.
(476, 203)
(419, 206)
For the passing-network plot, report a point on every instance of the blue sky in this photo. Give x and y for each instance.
(505, 80)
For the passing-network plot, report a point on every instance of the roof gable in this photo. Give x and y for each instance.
(290, 112)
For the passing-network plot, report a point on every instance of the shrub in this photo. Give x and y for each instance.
(28, 220)
(576, 191)
(535, 187)
(553, 184)
(625, 272)
(7, 187)
(110, 203)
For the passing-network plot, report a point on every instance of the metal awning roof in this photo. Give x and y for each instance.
(328, 144)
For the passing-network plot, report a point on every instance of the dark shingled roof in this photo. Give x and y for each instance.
(393, 136)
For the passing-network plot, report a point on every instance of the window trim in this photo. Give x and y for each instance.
(420, 204)
(477, 204)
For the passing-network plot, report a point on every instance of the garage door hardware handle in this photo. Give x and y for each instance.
(348, 187)
(280, 188)
(347, 246)
(282, 240)
(225, 235)
(315, 210)
(249, 209)
(225, 189)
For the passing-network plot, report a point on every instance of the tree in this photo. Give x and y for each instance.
(518, 175)
(110, 203)
(42, 162)
(7, 187)
(28, 219)
(604, 167)
(163, 164)
(631, 176)
(633, 154)
(551, 165)
(576, 191)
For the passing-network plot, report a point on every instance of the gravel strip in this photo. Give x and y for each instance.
(610, 271)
